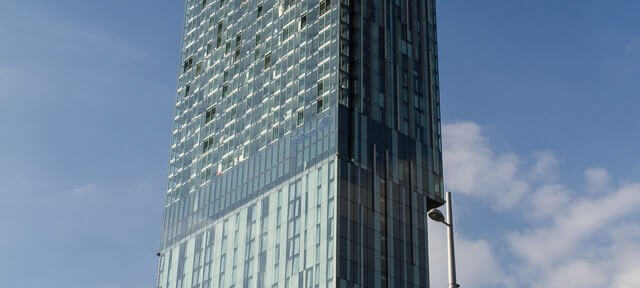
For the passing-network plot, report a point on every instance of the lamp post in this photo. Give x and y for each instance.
(437, 216)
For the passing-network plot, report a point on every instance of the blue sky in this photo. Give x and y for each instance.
(541, 96)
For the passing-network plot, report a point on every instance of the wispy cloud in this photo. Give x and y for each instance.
(84, 189)
(64, 34)
(548, 200)
(568, 236)
(544, 166)
(597, 180)
(473, 169)
(578, 221)
(62, 53)
(477, 265)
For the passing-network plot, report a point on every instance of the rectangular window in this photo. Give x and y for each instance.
(320, 87)
(198, 68)
(227, 47)
(300, 119)
(286, 4)
(211, 112)
(226, 163)
(225, 75)
(204, 3)
(320, 105)
(303, 20)
(220, 26)
(267, 60)
(187, 64)
(236, 56)
(187, 90)
(325, 5)
(207, 173)
(259, 11)
(288, 31)
(218, 41)
(207, 145)
(209, 47)
(225, 88)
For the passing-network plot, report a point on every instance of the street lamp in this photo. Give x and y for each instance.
(437, 216)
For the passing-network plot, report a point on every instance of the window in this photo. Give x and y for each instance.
(288, 31)
(303, 20)
(209, 47)
(187, 90)
(220, 26)
(207, 145)
(204, 3)
(187, 64)
(267, 60)
(226, 163)
(225, 76)
(320, 87)
(259, 11)
(320, 105)
(257, 39)
(209, 114)
(236, 56)
(198, 68)
(207, 174)
(218, 41)
(300, 119)
(324, 6)
(225, 88)
(227, 47)
(286, 4)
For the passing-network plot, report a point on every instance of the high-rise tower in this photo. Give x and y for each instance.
(306, 146)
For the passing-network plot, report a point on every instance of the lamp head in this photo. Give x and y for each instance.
(436, 215)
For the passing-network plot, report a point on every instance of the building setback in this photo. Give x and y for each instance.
(306, 147)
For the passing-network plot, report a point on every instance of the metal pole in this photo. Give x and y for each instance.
(452, 260)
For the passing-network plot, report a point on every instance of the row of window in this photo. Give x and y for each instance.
(196, 94)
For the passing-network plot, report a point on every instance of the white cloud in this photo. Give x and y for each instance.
(629, 278)
(84, 189)
(568, 237)
(597, 180)
(549, 200)
(544, 166)
(572, 226)
(477, 264)
(612, 263)
(472, 168)
(575, 274)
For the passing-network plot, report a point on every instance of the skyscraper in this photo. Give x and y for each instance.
(306, 146)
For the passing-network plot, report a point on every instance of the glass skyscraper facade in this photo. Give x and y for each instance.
(306, 145)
